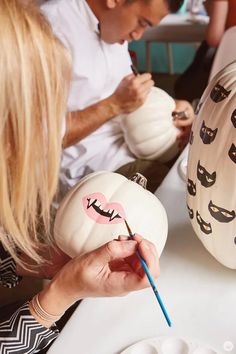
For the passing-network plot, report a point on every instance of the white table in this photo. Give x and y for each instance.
(175, 28)
(198, 292)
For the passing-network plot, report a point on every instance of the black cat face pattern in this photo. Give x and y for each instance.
(191, 187)
(207, 134)
(219, 93)
(221, 214)
(204, 226)
(207, 179)
(233, 118)
(190, 212)
(232, 153)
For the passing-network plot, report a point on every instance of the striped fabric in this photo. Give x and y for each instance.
(21, 333)
(8, 276)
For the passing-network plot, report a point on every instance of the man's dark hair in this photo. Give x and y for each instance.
(174, 5)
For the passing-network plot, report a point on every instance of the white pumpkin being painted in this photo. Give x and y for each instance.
(149, 131)
(212, 168)
(93, 213)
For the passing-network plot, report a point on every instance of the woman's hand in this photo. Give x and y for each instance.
(111, 270)
(183, 122)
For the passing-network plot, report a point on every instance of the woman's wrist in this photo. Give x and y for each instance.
(50, 304)
(45, 318)
(53, 300)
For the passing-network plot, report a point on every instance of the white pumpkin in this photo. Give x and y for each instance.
(212, 168)
(149, 131)
(93, 213)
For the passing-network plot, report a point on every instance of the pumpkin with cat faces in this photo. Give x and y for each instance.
(94, 211)
(149, 131)
(211, 173)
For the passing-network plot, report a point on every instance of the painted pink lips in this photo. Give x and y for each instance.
(102, 212)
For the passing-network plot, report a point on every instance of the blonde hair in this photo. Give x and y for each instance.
(35, 72)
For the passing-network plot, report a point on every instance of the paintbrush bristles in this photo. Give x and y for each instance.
(128, 228)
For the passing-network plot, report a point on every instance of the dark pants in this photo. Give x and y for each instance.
(154, 171)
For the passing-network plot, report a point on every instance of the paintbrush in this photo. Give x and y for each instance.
(134, 69)
(151, 281)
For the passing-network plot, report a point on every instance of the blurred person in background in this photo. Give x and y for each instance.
(192, 83)
(222, 16)
(97, 33)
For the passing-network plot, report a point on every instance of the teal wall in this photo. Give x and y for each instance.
(182, 56)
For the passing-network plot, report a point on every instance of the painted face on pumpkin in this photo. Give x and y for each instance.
(233, 118)
(191, 187)
(94, 213)
(204, 226)
(207, 134)
(221, 214)
(190, 212)
(219, 93)
(98, 209)
(232, 153)
(207, 179)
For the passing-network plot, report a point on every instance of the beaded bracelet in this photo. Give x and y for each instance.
(41, 313)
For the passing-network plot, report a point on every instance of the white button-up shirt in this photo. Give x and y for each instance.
(98, 68)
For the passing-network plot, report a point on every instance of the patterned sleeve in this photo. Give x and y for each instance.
(21, 333)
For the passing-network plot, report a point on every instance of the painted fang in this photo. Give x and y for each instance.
(98, 209)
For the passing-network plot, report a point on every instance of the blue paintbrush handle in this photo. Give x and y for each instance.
(150, 278)
(154, 288)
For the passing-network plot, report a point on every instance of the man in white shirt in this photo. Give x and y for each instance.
(96, 32)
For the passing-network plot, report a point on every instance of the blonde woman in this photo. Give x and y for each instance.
(35, 73)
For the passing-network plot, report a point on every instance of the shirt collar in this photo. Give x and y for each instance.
(88, 15)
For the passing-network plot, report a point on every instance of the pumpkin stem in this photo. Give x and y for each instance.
(139, 179)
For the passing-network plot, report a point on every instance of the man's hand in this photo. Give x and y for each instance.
(183, 121)
(132, 92)
(129, 95)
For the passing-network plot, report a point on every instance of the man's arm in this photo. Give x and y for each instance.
(218, 14)
(129, 95)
